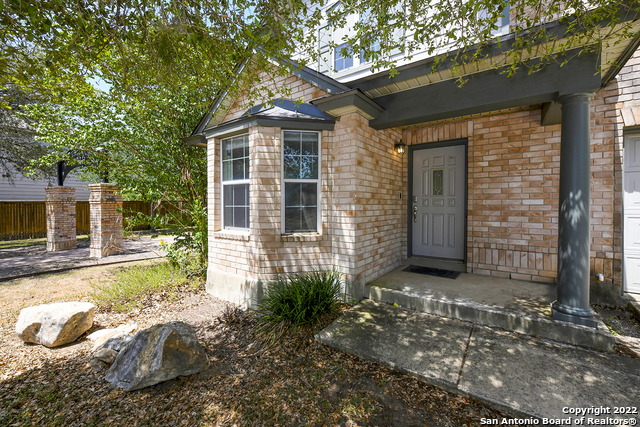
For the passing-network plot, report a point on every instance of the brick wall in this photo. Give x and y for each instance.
(361, 179)
(379, 216)
(60, 205)
(614, 109)
(273, 87)
(513, 178)
(513, 184)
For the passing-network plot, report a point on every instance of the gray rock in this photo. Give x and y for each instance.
(56, 324)
(117, 342)
(95, 364)
(157, 354)
(105, 355)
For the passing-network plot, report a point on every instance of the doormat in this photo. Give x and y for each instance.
(438, 272)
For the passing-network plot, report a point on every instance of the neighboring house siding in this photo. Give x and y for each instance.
(27, 190)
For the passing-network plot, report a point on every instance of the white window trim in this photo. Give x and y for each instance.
(319, 183)
(234, 230)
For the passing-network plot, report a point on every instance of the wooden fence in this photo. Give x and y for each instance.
(28, 220)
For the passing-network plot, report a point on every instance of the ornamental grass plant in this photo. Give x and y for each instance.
(298, 300)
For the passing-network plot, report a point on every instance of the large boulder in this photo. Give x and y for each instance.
(56, 324)
(157, 354)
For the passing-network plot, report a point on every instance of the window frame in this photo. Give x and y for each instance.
(233, 182)
(307, 181)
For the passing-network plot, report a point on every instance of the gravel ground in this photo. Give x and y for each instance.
(298, 382)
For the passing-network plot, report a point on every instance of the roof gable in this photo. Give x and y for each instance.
(224, 108)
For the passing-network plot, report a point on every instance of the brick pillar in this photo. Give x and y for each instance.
(106, 220)
(61, 218)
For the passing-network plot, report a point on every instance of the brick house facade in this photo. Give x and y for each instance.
(512, 190)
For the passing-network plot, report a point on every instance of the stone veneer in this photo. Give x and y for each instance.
(106, 220)
(61, 218)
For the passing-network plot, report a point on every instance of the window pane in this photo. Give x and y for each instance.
(291, 220)
(291, 194)
(309, 144)
(437, 183)
(301, 155)
(291, 167)
(228, 217)
(238, 195)
(238, 169)
(342, 62)
(226, 171)
(238, 217)
(236, 205)
(308, 220)
(228, 195)
(348, 62)
(308, 194)
(292, 143)
(308, 167)
(246, 168)
(226, 149)
(301, 207)
(238, 148)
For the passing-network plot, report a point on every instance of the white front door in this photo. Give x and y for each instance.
(438, 202)
(631, 202)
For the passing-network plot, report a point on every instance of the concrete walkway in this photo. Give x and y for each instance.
(40, 261)
(524, 376)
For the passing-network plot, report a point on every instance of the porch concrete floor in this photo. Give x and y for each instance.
(531, 299)
(512, 305)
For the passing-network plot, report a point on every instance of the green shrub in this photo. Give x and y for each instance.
(132, 285)
(299, 299)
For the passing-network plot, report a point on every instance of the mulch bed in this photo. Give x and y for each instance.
(296, 382)
(626, 328)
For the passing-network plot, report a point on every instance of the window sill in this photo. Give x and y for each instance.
(232, 235)
(301, 237)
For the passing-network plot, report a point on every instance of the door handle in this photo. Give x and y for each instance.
(415, 213)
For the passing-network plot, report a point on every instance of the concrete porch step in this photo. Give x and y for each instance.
(511, 305)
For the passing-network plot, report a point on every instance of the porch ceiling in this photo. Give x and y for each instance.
(487, 90)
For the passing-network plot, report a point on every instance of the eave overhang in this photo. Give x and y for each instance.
(347, 102)
(487, 91)
(241, 125)
(197, 140)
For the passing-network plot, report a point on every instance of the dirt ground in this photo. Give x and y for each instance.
(298, 382)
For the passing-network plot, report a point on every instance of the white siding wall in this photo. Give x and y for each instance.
(28, 190)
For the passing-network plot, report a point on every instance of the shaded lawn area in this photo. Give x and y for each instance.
(298, 382)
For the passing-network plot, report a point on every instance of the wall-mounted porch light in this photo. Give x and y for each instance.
(399, 147)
